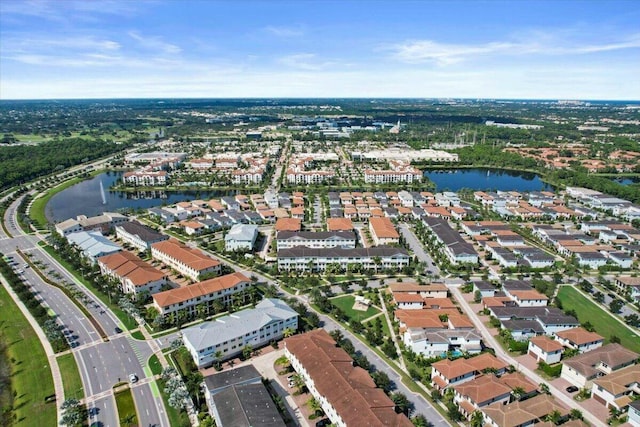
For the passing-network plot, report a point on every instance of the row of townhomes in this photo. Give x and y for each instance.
(347, 394)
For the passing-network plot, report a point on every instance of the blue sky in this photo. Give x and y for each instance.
(432, 49)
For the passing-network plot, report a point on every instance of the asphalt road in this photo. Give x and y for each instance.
(418, 249)
(101, 364)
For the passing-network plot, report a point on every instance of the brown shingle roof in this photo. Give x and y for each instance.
(612, 355)
(350, 390)
(483, 389)
(415, 287)
(620, 381)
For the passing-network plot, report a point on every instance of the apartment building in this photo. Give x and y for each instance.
(383, 232)
(189, 262)
(316, 239)
(139, 236)
(227, 336)
(135, 275)
(346, 393)
(204, 293)
(377, 258)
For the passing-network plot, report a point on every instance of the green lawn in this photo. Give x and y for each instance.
(70, 376)
(31, 377)
(346, 304)
(155, 365)
(126, 408)
(137, 335)
(604, 323)
(385, 326)
(176, 418)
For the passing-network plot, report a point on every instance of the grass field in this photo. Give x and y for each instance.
(346, 304)
(604, 324)
(176, 418)
(30, 372)
(137, 335)
(126, 408)
(155, 365)
(71, 380)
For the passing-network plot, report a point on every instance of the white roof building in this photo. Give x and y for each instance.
(229, 335)
(93, 244)
(241, 237)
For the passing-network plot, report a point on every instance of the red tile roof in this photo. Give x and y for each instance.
(175, 296)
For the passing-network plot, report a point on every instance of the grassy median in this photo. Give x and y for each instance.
(31, 379)
(126, 408)
(71, 380)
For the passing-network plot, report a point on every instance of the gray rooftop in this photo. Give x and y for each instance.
(147, 234)
(316, 235)
(247, 406)
(232, 377)
(208, 334)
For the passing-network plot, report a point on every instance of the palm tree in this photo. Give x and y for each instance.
(314, 405)
(518, 392)
(128, 419)
(288, 332)
(554, 416)
(544, 388)
(477, 419)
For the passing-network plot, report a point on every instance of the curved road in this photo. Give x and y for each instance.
(101, 364)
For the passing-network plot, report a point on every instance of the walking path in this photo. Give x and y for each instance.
(490, 341)
(393, 333)
(53, 362)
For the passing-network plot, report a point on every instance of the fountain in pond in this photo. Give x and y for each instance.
(104, 197)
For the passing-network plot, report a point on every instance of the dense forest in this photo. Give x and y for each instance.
(25, 162)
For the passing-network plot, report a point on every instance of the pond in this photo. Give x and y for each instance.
(627, 180)
(480, 179)
(92, 197)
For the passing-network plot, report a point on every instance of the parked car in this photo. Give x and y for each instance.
(572, 389)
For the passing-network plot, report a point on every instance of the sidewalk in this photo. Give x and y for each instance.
(490, 341)
(53, 362)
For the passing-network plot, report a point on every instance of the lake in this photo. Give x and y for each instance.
(627, 180)
(485, 179)
(86, 198)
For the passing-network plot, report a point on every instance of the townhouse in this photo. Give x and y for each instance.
(480, 392)
(134, 275)
(628, 285)
(188, 298)
(103, 223)
(383, 232)
(457, 250)
(189, 262)
(227, 336)
(377, 258)
(432, 290)
(522, 413)
(139, 236)
(346, 393)
(316, 239)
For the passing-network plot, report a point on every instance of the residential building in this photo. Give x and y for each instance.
(634, 413)
(288, 224)
(580, 339)
(383, 232)
(92, 244)
(316, 239)
(437, 343)
(135, 275)
(241, 237)
(616, 389)
(480, 392)
(376, 258)
(187, 261)
(238, 398)
(347, 394)
(446, 373)
(227, 336)
(628, 285)
(139, 236)
(339, 224)
(103, 223)
(545, 349)
(582, 369)
(432, 290)
(202, 294)
(453, 245)
(145, 178)
(522, 413)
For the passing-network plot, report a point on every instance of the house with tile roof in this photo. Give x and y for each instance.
(617, 389)
(522, 413)
(383, 232)
(346, 393)
(545, 349)
(189, 262)
(479, 392)
(583, 369)
(187, 298)
(580, 339)
(446, 373)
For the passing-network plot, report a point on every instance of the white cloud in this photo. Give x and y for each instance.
(155, 43)
(305, 61)
(424, 51)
